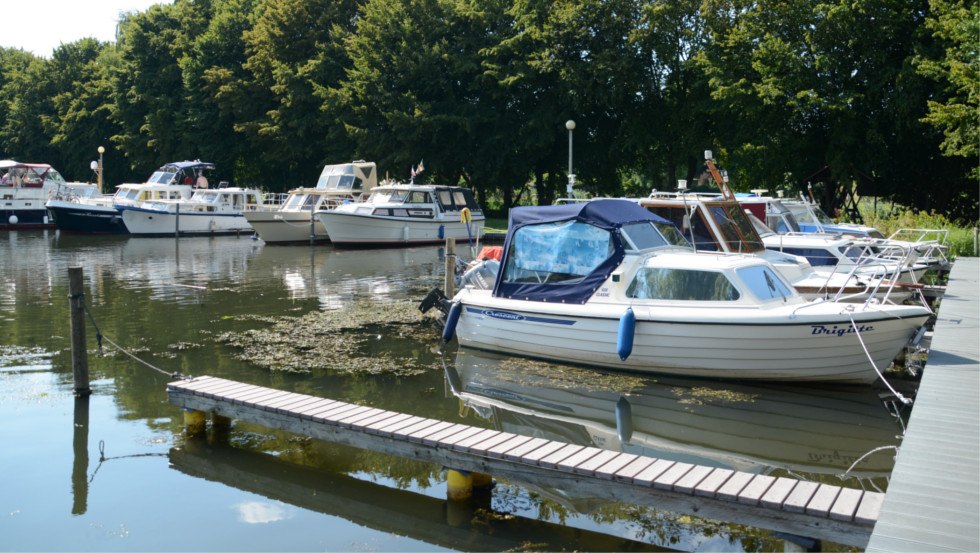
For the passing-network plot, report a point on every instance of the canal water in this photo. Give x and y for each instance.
(117, 473)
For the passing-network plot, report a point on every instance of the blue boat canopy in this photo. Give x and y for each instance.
(563, 253)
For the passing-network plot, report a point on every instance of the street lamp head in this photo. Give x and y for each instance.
(570, 125)
(94, 165)
(101, 150)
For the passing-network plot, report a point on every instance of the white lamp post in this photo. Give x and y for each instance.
(101, 151)
(570, 125)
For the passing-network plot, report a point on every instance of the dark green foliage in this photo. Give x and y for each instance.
(270, 90)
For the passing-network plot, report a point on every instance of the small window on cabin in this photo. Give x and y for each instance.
(556, 252)
(764, 283)
(460, 199)
(418, 197)
(681, 285)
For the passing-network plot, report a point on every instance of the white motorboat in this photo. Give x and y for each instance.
(100, 214)
(402, 214)
(295, 221)
(754, 427)
(603, 283)
(208, 212)
(24, 189)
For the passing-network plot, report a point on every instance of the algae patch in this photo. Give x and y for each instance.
(365, 336)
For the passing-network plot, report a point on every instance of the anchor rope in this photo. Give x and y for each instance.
(900, 397)
(100, 337)
(863, 457)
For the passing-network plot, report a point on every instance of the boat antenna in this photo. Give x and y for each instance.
(682, 188)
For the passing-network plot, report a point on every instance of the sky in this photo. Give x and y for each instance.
(40, 26)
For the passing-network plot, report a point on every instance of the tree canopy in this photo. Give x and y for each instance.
(271, 90)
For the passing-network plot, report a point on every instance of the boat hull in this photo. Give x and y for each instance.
(80, 218)
(361, 229)
(146, 222)
(285, 227)
(13, 219)
(811, 347)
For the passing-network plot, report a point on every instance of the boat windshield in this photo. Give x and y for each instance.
(647, 234)
(735, 228)
(338, 177)
(764, 283)
(557, 252)
(659, 283)
(162, 177)
(301, 202)
(388, 196)
(759, 226)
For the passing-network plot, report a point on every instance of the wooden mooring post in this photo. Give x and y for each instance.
(450, 281)
(79, 353)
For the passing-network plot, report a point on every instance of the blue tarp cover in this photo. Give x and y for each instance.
(608, 215)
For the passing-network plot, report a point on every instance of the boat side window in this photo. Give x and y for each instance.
(681, 285)
(642, 236)
(295, 202)
(556, 252)
(398, 196)
(764, 283)
(345, 182)
(445, 198)
(418, 197)
(309, 201)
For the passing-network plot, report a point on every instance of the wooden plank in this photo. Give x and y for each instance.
(245, 397)
(755, 489)
(335, 417)
(348, 420)
(421, 434)
(485, 446)
(822, 500)
(264, 404)
(514, 441)
(301, 403)
(800, 496)
(266, 396)
(733, 486)
(451, 430)
(573, 462)
(518, 453)
(193, 384)
(414, 432)
(690, 481)
(709, 486)
(212, 386)
(670, 476)
(389, 428)
(649, 474)
(846, 504)
(383, 416)
(331, 414)
(543, 451)
(226, 390)
(326, 410)
(870, 508)
(465, 443)
(308, 411)
(288, 398)
(592, 463)
(627, 473)
(778, 492)
(567, 450)
(609, 469)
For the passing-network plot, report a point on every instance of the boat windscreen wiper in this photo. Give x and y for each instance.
(772, 285)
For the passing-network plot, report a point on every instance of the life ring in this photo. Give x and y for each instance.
(465, 216)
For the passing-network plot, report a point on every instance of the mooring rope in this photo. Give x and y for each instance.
(900, 397)
(99, 336)
(103, 458)
(863, 457)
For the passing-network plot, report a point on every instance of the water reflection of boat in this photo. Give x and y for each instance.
(758, 428)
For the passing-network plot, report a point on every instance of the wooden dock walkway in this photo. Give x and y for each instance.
(933, 500)
(821, 511)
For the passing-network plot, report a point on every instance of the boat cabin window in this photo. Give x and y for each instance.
(296, 202)
(556, 252)
(162, 177)
(659, 283)
(338, 177)
(764, 283)
(456, 199)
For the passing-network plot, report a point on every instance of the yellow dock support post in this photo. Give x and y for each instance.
(481, 481)
(194, 422)
(459, 485)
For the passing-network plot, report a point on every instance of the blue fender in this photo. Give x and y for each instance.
(452, 319)
(627, 327)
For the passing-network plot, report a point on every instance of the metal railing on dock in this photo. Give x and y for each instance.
(822, 511)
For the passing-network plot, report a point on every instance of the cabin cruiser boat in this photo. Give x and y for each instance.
(754, 427)
(25, 187)
(295, 221)
(607, 283)
(208, 212)
(100, 214)
(714, 223)
(402, 214)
